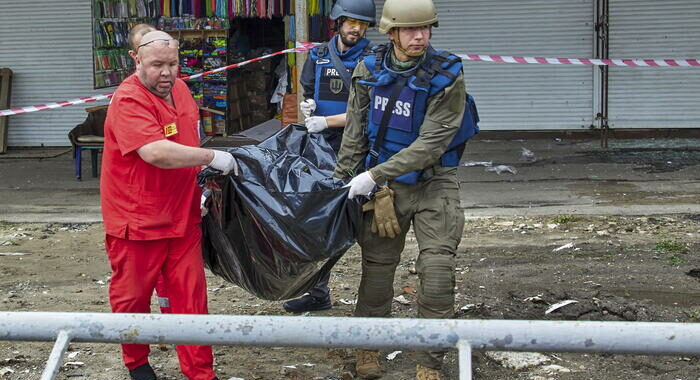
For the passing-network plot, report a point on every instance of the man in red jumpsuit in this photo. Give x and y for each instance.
(150, 199)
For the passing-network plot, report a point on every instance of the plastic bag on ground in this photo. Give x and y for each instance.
(284, 221)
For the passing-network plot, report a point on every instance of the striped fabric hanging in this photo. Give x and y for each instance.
(221, 9)
(261, 8)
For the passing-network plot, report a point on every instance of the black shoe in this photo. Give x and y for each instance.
(143, 372)
(307, 303)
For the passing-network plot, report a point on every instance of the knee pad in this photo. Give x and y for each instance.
(436, 271)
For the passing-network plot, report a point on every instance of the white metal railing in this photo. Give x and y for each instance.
(654, 338)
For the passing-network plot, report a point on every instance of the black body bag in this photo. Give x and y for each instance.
(280, 225)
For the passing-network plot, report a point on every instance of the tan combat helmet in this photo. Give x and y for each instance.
(407, 13)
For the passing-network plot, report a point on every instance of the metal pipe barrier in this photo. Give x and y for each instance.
(651, 338)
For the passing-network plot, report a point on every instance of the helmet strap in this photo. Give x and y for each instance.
(397, 42)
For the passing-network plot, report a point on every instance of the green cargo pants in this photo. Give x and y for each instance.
(432, 205)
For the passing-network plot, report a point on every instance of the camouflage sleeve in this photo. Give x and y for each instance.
(354, 146)
(442, 120)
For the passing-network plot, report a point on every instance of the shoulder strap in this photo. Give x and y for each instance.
(384, 123)
(340, 67)
(321, 50)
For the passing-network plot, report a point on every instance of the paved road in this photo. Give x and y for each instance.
(632, 177)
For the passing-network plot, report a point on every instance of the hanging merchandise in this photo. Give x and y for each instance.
(284, 222)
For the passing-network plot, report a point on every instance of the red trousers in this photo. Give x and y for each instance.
(137, 266)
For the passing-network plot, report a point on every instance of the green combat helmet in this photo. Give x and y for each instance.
(407, 13)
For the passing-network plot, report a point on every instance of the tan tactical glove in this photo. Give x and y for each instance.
(385, 222)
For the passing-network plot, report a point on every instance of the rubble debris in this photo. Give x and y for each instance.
(478, 163)
(518, 360)
(502, 169)
(534, 299)
(527, 155)
(553, 368)
(559, 305)
(402, 300)
(565, 246)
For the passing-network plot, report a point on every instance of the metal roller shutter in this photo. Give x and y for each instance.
(652, 97)
(515, 96)
(48, 46)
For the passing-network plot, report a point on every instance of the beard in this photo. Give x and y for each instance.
(347, 42)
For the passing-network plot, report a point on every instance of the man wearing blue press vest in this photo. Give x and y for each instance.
(408, 119)
(326, 82)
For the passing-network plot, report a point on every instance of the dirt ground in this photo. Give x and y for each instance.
(617, 268)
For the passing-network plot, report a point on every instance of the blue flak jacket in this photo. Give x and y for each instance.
(440, 69)
(330, 93)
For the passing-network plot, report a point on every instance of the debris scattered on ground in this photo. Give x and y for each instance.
(347, 301)
(402, 300)
(518, 360)
(488, 165)
(527, 155)
(73, 364)
(695, 272)
(393, 355)
(534, 299)
(479, 163)
(553, 368)
(565, 246)
(6, 371)
(14, 253)
(502, 169)
(559, 305)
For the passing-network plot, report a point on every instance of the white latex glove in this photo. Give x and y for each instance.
(315, 124)
(307, 107)
(224, 161)
(361, 185)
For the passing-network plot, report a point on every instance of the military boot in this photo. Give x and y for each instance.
(367, 366)
(425, 373)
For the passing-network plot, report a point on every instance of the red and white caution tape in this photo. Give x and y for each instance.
(49, 106)
(300, 47)
(305, 46)
(583, 61)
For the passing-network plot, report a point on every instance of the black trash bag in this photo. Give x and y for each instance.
(284, 221)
